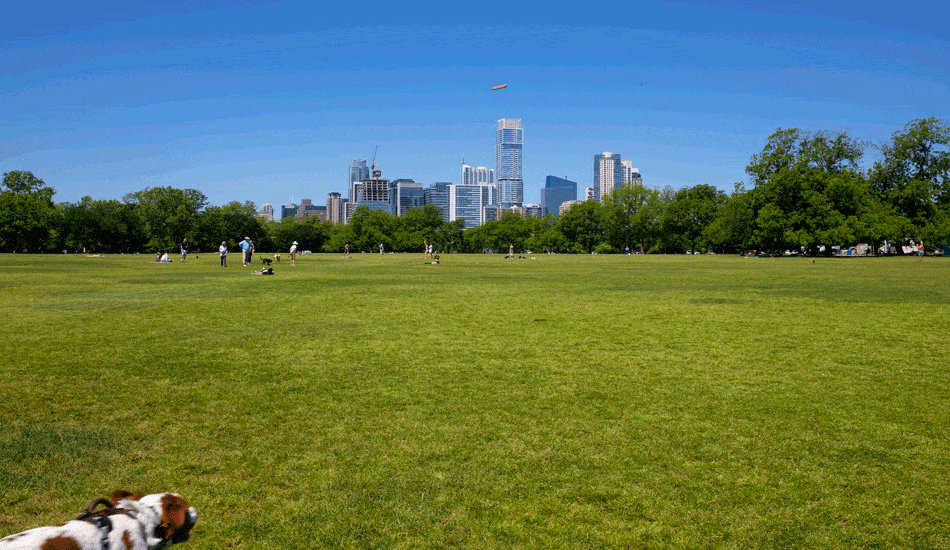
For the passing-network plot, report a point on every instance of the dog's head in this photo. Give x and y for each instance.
(166, 517)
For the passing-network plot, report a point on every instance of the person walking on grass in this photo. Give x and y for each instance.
(223, 250)
(380, 249)
(248, 247)
(184, 249)
(346, 250)
(293, 254)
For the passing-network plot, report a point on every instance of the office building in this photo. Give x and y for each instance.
(335, 208)
(309, 210)
(405, 194)
(589, 194)
(358, 172)
(438, 194)
(509, 139)
(533, 210)
(467, 202)
(556, 191)
(373, 193)
(288, 210)
(267, 211)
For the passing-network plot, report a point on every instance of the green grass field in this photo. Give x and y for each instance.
(557, 402)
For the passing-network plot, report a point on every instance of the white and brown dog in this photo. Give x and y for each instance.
(127, 522)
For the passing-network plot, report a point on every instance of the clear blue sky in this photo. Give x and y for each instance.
(264, 100)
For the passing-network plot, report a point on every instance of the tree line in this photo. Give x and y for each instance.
(805, 190)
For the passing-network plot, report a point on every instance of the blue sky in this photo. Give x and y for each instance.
(268, 100)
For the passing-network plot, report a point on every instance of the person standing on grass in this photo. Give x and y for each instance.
(248, 247)
(293, 254)
(380, 249)
(184, 249)
(346, 250)
(223, 250)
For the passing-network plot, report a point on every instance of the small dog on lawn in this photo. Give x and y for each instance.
(266, 261)
(277, 258)
(127, 522)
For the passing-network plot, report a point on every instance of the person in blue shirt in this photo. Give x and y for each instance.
(248, 247)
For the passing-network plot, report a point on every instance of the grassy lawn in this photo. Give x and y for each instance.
(557, 402)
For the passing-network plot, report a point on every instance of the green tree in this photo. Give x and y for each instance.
(583, 226)
(632, 216)
(809, 192)
(27, 213)
(230, 223)
(687, 216)
(99, 225)
(731, 230)
(168, 215)
(914, 177)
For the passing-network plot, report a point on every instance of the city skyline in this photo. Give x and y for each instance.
(260, 101)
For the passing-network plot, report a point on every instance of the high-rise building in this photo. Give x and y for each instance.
(467, 202)
(267, 211)
(468, 174)
(608, 174)
(484, 176)
(556, 191)
(405, 194)
(309, 210)
(335, 208)
(288, 210)
(509, 139)
(477, 176)
(373, 193)
(590, 194)
(358, 172)
(438, 194)
(631, 175)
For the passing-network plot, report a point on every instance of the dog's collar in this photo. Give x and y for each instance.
(105, 527)
(101, 518)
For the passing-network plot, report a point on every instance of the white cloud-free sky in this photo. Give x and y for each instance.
(268, 100)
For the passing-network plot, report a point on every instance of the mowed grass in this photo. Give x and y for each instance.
(556, 402)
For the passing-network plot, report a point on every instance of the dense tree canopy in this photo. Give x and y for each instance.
(26, 212)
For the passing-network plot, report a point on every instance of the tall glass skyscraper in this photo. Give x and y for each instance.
(555, 192)
(358, 172)
(508, 141)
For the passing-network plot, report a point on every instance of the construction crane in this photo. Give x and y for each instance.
(376, 173)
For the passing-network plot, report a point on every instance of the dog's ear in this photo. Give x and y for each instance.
(174, 514)
(119, 494)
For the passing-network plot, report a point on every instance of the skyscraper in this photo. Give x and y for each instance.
(608, 174)
(484, 176)
(438, 194)
(468, 174)
(358, 172)
(267, 211)
(467, 202)
(335, 208)
(477, 176)
(555, 192)
(405, 194)
(509, 139)
(631, 175)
